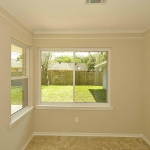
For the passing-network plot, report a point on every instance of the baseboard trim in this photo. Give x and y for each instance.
(27, 142)
(146, 139)
(83, 134)
(87, 134)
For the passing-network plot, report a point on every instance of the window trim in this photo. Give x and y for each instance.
(18, 116)
(21, 111)
(73, 105)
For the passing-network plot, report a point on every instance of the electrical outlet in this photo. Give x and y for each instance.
(76, 120)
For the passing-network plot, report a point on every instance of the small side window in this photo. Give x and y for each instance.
(19, 76)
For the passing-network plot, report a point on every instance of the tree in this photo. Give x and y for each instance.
(90, 59)
(45, 64)
(103, 57)
(64, 58)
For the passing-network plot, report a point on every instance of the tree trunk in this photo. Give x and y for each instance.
(47, 80)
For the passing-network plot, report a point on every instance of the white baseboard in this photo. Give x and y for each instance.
(27, 142)
(83, 134)
(87, 134)
(146, 139)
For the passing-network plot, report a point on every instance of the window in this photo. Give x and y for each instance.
(19, 76)
(78, 76)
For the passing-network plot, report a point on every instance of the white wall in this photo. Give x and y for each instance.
(12, 139)
(126, 69)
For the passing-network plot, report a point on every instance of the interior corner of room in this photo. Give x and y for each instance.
(128, 39)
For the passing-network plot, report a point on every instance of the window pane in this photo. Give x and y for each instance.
(17, 61)
(19, 94)
(57, 76)
(91, 77)
(19, 84)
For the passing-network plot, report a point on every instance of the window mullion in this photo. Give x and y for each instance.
(17, 78)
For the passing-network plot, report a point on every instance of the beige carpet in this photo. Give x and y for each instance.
(86, 143)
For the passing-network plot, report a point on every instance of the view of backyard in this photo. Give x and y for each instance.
(74, 77)
(55, 93)
(19, 80)
(59, 93)
(16, 95)
(57, 77)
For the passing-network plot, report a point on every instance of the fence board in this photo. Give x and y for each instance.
(66, 78)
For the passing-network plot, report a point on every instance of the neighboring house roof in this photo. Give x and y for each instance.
(69, 66)
(102, 64)
(16, 64)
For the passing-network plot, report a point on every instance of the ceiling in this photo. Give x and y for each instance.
(74, 16)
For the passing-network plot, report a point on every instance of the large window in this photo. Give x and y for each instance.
(19, 76)
(74, 76)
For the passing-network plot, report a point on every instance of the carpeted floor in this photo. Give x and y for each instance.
(86, 143)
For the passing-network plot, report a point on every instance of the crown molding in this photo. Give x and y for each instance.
(11, 17)
(91, 32)
(17, 21)
(16, 17)
(89, 36)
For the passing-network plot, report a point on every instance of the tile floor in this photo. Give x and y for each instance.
(86, 143)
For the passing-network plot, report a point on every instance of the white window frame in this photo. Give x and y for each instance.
(73, 105)
(26, 76)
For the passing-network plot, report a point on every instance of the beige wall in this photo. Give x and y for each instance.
(12, 139)
(146, 54)
(126, 69)
(129, 72)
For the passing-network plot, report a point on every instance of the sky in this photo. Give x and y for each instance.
(58, 54)
(14, 55)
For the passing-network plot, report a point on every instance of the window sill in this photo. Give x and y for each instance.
(20, 115)
(75, 107)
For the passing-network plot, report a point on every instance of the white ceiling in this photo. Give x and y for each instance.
(74, 16)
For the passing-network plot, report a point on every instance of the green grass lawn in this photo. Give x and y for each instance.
(16, 95)
(58, 93)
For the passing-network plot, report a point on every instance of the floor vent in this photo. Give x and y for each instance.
(96, 1)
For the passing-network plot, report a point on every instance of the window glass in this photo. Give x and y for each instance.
(76, 77)
(57, 76)
(18, 61)
(19, 79)
(91, 77)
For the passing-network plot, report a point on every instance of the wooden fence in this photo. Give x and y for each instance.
(66, 78)
(16, 74)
